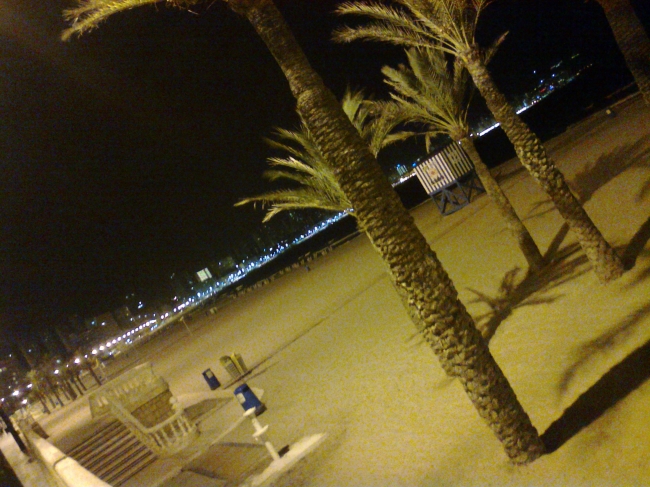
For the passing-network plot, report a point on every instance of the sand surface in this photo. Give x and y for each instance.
(339, 355)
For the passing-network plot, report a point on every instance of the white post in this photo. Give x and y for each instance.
(260, 433)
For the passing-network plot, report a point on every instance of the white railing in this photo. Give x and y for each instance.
(165, 438)
(127, 389)
(131, 390)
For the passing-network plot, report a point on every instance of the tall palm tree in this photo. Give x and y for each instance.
(428, 93)
(51, 386)
(450, 25)
(38, 389)
(315, 185)
(632, 40)
(413, 266)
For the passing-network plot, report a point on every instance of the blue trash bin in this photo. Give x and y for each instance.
(210, 378)
(249, 400)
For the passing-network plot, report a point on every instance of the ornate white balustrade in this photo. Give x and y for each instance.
(142, 401)
(165, 438)
(128, 389)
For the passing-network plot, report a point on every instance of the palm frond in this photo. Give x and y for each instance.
(386, 116)
(447, 25)
(306, 167)
(489, 53)
(88, 14)
(441, 16)
(353, 104)
(432, 93)
(294, 199)
(398, 18)
(382, 33)
(295, 142)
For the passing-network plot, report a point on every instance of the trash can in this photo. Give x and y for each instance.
(230, 367)
(249, 400)
(239, 363)
(210, 378)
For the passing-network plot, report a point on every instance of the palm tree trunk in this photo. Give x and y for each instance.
(414, 267)
(49, 397)
(531, 153)
(41, 398)
(81, 382)
(75, 385)
(94, 374)
(526, 243)
(632, 40)
(53, 390)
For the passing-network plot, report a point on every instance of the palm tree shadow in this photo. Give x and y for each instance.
(636, 245)
(514, 292)
(597, 174)
(606, 341)
(612, 387)
(609, 166)
(503, 174)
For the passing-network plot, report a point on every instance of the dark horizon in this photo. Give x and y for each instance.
(125, 149)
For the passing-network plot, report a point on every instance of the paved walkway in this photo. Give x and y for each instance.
(30, 473)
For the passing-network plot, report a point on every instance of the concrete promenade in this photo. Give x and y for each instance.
(30, 473)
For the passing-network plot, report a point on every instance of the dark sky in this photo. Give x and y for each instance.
(122, 152)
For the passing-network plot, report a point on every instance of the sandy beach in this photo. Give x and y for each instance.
(336, 353)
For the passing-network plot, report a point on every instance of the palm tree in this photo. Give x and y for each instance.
(413, 266)
(52, 387)
(428, 93)
(307, 168)
(450, 25)
(38, 389)
(632, 40)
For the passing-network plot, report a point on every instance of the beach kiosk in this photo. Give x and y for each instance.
(449, 177)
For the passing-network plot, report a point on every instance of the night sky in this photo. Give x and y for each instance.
(123, 151)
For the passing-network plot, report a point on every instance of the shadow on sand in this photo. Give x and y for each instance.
(516, 292)
(607, 341)
(637, 245)
(612, 387)
(596, 175)
(563, 266)
(608, 166)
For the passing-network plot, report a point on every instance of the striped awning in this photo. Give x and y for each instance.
(443, 167)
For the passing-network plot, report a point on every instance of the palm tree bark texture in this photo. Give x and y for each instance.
(446, 325)
(533, 156)
(513, 222)
(632, 40)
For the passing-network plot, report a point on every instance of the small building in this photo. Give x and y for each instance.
(449, 177)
